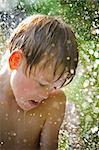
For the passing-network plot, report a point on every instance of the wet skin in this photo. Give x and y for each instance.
(32, 130)
(26, 124)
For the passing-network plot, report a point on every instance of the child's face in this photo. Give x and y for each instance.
(30, 91)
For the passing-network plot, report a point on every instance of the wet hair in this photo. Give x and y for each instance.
(38, 35)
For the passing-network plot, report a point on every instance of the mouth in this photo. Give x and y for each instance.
(32, 102)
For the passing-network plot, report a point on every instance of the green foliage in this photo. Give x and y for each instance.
(84, 92)
(63, 141)
(42, 6)
(81, 14)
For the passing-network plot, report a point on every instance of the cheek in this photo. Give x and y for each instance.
(17, 83)
(22, 86)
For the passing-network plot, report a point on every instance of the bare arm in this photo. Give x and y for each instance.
(49, 135)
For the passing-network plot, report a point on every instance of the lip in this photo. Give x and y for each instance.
(33, 102)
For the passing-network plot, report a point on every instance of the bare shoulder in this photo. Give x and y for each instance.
(58, 96)
(57, 103)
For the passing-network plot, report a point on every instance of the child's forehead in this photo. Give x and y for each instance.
(45, 69)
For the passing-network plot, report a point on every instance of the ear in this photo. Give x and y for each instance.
(15, 59)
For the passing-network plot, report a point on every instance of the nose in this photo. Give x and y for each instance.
(45, 93)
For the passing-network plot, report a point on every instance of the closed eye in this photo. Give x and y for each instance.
(42, 84)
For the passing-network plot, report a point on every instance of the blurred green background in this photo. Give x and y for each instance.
(82, 16)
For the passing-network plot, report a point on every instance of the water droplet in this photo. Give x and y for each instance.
(94, 73)
(53, 45)
(89, 99)
(14, 134)
(72, 71)
(59, 119)
(20, 19)
(68, 58)
(12, 16)
(49, 113)
(60, 103)
(86, 83)
(6, 115)
(52, 55)
(95, 129)
(1, 142)
(8, 133)
(75, 59)
(84, 105)
(96, 63)
(50, 118)
(19, 119)
(97, 96)
(71, 5)
(91, 51)
(24, 140)
(40, 143)
(41, 115)
(18, 110)
(55, 123)
(47, 89)
(33, 114)
(96, 54)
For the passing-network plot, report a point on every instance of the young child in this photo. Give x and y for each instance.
(43, 58)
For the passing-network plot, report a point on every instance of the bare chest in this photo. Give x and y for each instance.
(20, 130)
